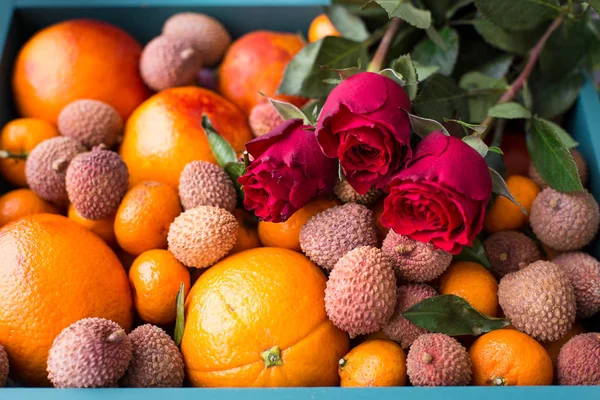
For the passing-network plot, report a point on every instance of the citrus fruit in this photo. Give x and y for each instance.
(78, 59)
(22, 202)
(165, 133)
(504, 215)
(474, 283)
(54, 272)
(155, 277)
(21, 136)
(104, 228)
(287, 234)
(374, 362)
(507, 357)
(553, 348)
(249, 324)
(320, 27)
(144, 216)
(247, 236)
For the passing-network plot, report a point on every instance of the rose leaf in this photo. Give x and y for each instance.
(428, 53)
(477, 144)
(424, 126)
(405, 74)
(518, 15)
(288, 111)
(510, 110)
(441, 98)
(497, 67)
(499, 187)
(424, 71)
(496, 150)
(406, 11)
(479, 129)
(312, 108)
(234, 170)
(595, 4)
(219, 146)
(305, 73)
(483, 91)
(551, 157)
(518, 43)
(475, 253)
(552, 98)
(349, 25)
(180, 315)
(451, 315)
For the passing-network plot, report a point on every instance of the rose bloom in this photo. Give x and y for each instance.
(288, 170)
(362, 123)
(441, 195)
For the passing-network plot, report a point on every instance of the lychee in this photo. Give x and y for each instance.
(583, 271)
(263, 118)
(508, 251)
(205, 184)
(347, 194)
(579, 360)
(92, 122)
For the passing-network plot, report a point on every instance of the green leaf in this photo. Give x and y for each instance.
(484, 92)
(552, 98)
(475, 253)
(458, 4)
(424, 126)
(595, 4)
(404, 10)
(518, 15)
(428, 53)
(513, 42)
(551, 157)
(439, 9)
(527, 96)
(424, 71)
(219, 146)
(349, 25)
(510, 110)
(496, 150)
(288, 111)
(312, 108)
(436, 38)
(477, 144)
(497, 67)
(451, 315)
(476, 80)
(234, 170)
(473, 127)
(567, 139)
(304, 74)
(441, 98)
(345, 73)
(405, 69)
(499, 187)
(180, 315)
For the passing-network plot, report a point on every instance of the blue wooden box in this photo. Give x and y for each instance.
(19, 19)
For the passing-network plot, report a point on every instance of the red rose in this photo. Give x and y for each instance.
(287, 172)
(362, 123)
(441, 195)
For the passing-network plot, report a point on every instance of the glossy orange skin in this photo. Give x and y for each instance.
(553, 348)
(250, 302)
(78, 59)
(255, 64)
(247, 236)
(507, 357)
(373, 363)
(21, 203)
(144, 216)
(320, 27)
(155, 278)
(474, 283)
(54, 272)
(286, 234)
(21, 136)
(165, 133)
(104, 228)
(504, 215)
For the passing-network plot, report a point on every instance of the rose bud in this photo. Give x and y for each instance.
(287, 172)
(362, 123)
(441, 195)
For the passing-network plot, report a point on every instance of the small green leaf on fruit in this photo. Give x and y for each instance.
(406, 11)
(477, 144)
(499, 187)
(288, 111)
(451, 315)
(510, 110)
(424, 126)
(220, 147)
(180, 314)
(475, 253)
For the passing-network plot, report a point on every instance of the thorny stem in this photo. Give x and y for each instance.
(517, 85)
(384, 46)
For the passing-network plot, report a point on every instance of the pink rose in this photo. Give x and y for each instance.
(362, 123)
(287, 172)
(441, 195)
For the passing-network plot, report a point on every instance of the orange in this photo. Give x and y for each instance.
(165, 133)
(155, 277)
(53, 273)
(254, 65)
(503, 214)
(21, 136)
(144, 216)
(287, 234)
(375, 362)
(104, 228)
(320, 27)
(78, 59)
(247, 236)
(22, 202)
(507, 357)
(257, 318)
(474, 283)
(553, 348)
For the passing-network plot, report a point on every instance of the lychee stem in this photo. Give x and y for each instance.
(553, 203)
(186, 53)
(499, 381)
(116, 336)
(427, 358)
(272, 357)
(9, 154)
(60, 164)
(343, 362)
(405, 248)
(503, 256)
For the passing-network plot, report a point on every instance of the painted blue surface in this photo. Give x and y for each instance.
(143, 19)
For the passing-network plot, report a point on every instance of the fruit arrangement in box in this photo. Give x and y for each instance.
(270, 211)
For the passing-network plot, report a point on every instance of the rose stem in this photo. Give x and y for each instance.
(517, 85)
(381, 53)
(8, 154)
